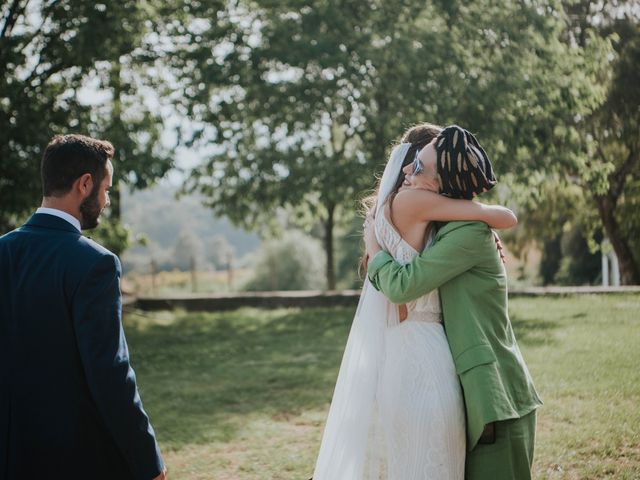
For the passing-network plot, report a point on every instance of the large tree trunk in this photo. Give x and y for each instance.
(629, 271)
(328, 247)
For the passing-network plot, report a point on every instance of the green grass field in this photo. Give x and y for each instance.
(244, 395)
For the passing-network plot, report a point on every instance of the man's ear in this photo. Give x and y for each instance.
(84, 185)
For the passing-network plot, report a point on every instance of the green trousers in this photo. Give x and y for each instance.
(511, 455)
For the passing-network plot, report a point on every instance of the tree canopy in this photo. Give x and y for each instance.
(302, 99)
(74, 67)
(294, 104)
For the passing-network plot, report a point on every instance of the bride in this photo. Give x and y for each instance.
(397, 411)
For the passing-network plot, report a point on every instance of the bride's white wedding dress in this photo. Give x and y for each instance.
(419, 399)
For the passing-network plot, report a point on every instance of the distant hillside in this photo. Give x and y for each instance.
(163, 219)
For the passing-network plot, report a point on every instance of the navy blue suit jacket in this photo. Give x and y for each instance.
(69, 405)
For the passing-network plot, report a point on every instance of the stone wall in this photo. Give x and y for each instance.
(305, 299)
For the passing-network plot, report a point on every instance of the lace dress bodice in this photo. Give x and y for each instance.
(427, 307)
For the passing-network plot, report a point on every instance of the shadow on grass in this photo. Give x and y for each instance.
(201, 374)
(534, 331)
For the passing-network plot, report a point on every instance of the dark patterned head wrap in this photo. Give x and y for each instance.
(463, 166)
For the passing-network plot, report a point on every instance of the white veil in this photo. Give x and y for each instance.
(346, 452)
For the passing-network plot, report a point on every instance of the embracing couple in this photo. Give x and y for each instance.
(432, 384)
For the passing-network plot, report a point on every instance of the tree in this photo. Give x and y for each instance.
(188, 251)
(547, 208)
(579, 265)
(302, 99)
(293, 262)
(220, 252)
(615, 128)
(607, 161)
(584, 132)
(70, 67)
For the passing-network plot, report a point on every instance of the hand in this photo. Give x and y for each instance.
(403, 313)
(370, 240)
(163, 475)
(499, 246)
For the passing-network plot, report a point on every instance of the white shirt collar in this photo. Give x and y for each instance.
(64, 215)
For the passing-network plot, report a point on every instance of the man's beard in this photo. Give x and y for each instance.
(90, 210)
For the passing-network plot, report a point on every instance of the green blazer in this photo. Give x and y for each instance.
(464, 264)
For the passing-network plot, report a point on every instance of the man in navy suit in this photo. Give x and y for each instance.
(69, 405)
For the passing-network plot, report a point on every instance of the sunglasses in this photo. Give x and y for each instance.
(417, 166)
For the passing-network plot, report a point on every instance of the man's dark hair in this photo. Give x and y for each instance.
(68, 157)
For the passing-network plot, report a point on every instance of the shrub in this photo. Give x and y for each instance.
(293, 262)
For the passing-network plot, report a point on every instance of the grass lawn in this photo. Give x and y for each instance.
(244, 395)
